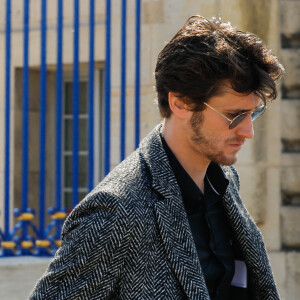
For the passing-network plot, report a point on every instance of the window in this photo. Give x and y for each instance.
(67, 154)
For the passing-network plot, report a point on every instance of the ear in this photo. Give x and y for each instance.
(177, 105)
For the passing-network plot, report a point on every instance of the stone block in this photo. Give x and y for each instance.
(253, 191)
(17, 15)
(290, 160)
(293, 275)
(151, 35)
(149, 111)
(16, 55)
(68, 11)
(2, 178)
(290, 173)
(177, 12)
(100, 10)
(259, 17)
(99, 41)
(245, 155)
(290, 21)
(272, 134)
(290, 120)
(2, 77)
(271, 227)
(153, 12)
(278, 264)
(290, 226)
(2, 20)
(34, 12)
(2, 140)
(225, 11)
(260, 192)
(34, 50)
(290, 84)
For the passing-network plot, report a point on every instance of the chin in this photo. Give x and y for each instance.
(225, 160)
(230, 161)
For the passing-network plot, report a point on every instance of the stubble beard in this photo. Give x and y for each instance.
(208, 147)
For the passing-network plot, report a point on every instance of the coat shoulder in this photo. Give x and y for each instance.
(121, 192)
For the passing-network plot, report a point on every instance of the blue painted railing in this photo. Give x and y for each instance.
(137, 71)
(57, 212)
(59, 95)
(43, 96)
(107, 87)
(5, 237)
(75, 105)
(123, 79)
(28, 235)
(91, 97)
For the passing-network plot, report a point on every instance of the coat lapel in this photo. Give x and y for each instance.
(239, 220)
(250, 243)
(172, 220)
(180, 247)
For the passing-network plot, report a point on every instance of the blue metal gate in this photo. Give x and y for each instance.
(24, 238)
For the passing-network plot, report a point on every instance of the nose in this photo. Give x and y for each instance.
(245, 128)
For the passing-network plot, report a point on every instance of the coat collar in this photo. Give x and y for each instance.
(163, 179)
(172, 219)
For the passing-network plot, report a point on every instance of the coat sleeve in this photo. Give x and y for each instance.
(91, 259)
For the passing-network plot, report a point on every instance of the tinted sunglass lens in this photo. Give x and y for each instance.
(237, 120)
(257, 112)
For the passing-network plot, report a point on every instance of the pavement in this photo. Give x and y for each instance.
(18, 275)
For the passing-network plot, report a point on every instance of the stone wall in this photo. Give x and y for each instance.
(290, 141)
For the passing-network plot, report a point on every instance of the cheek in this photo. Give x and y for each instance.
(219, 141)
(214, 131)
(216, 127)
(216, 135)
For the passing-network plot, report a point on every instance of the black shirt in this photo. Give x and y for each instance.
(209, 226)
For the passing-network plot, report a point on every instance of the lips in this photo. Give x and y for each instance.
(236, 144)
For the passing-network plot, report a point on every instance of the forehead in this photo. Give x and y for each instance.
(228, 98)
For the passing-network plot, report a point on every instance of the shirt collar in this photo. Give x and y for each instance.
(187, 186)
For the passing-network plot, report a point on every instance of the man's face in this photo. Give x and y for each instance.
(210, 135)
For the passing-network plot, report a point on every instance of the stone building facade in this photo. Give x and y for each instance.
(269, 166)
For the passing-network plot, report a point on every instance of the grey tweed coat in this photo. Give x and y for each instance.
(130, 238)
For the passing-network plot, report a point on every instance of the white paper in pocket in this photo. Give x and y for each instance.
(240, 274)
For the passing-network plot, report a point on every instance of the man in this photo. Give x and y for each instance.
(168, 222)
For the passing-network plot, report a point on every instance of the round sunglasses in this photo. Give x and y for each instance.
(239, 118)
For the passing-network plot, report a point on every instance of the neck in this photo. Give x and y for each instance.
(191, 160)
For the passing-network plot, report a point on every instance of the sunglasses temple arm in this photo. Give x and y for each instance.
(219, 113)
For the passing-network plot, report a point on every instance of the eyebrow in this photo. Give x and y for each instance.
(240, 111)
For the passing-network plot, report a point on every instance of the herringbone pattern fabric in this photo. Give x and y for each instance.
(130, 238)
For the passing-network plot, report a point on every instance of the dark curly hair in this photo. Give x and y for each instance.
(204, 54)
